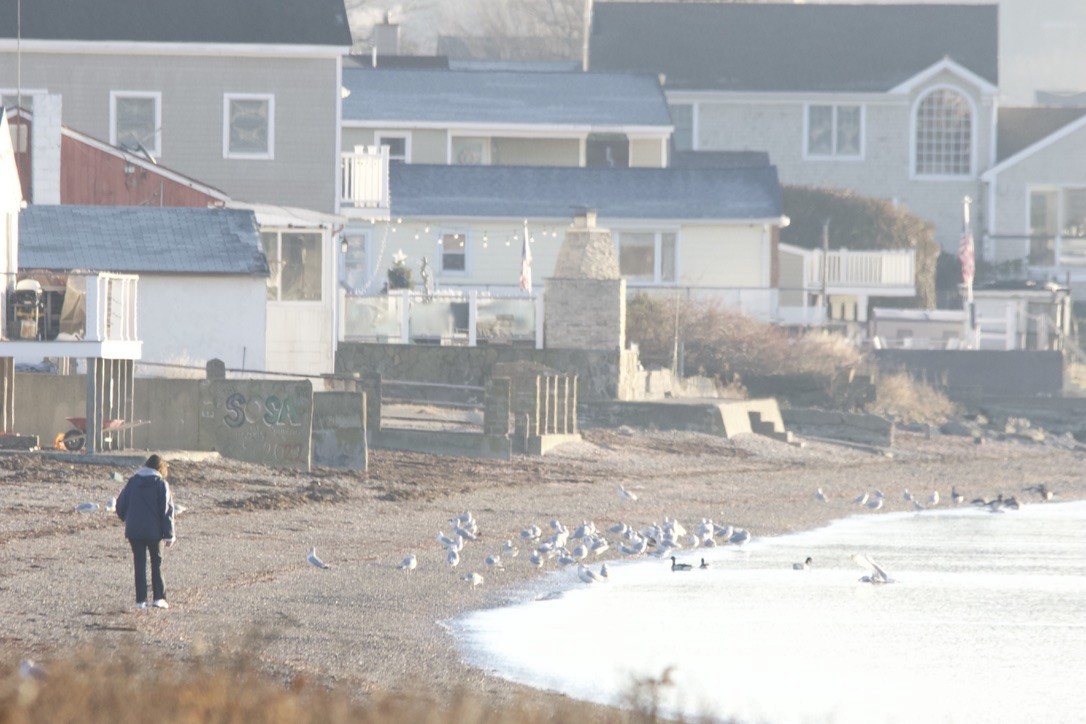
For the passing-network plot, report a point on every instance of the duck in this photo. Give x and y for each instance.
(802, 566)
(704, 564)
(956, 497)
(680, 566)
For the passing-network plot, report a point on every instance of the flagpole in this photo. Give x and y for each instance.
(967, 257)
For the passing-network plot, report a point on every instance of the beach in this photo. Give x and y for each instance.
(238, 579)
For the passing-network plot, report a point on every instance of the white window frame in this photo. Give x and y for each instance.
(269, 155)
(973, 134)
(833, 156)
(114, 95)
(440, 253)
(657, 257)
(380, 136)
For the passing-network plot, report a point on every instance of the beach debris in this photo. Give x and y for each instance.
(625, 494)
(474, 579)
(821, 496)
(315, 561)
(493, 561)
(87, 507)
(802, 566)
(117, 477)
(933, 499)
(409, 564)
(453, 558)
(178, 509)
(587, 575)
(111, 506)
(675, 566)
(29, 670)
(877, 574)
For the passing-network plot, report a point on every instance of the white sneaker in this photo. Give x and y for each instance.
(160, 603)
(142, 605)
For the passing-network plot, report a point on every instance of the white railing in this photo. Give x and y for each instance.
(364, 177)
(464, 318)
(860, 269)
(111, 307)
(1037, 251)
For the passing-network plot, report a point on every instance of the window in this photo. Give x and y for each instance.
(1054, 212)
(943, 134)
(248, 126)
(355, 268)
(399, 146)
(135, 121)
(834, 131)
(294, 258)
(607, 150)
(682, 116)
(454, 252)
(647, 257)
(470, 151)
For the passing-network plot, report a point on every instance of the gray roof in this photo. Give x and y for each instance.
(718, 159)
(291, 22)
(1020, 128)
(751, 192)
(141, 239)
(519, 97)
(777, 47)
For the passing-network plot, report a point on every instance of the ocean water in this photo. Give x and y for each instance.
(986, 622)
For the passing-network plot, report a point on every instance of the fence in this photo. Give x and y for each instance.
(364, 178)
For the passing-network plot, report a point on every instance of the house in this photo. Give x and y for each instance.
(244, 97)
(11, 200)
(1036, 196)
(890, 101)
(707, 233)
(507, 117)
(202, 274)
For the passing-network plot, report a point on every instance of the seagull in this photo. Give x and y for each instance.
(314, 561)
(474, 579)
(619, 528)
(821, 496)
(464, 533)
(861, 499)
(510, 550)
(625, 494)
(445, 540)
(580, 552)
(409, 563)
(29, 670)
(494, 561)
(874, 504)
(955, 496)
(917, 506)
(453, 559)
(531, 533)
(86, 507)
(535, 559)
(877, 575)
(802, 566)
(680, 566)
(704, 565)
(111, 506)
(933, 499)
(879, 493)
(740, 537)
(587, 575)
(177, 509)
(604, 573)
(907, 496)
(599, 546)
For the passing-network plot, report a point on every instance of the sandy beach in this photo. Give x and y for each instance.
(238, 577)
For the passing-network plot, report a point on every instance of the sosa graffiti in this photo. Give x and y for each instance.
(271, 410)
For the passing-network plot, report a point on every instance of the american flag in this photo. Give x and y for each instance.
(966, 252)
(526, 262)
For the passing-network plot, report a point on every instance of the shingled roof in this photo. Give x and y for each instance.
(140, 239)
(505, 97)
(738, 193)
(296, 22)
(1020, 128)
(789, 48)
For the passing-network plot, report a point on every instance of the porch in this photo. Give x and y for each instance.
(811, 277)
(364, 183)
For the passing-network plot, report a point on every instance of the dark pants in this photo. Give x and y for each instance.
(140, 549)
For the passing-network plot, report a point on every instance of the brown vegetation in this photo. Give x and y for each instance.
(904, 398)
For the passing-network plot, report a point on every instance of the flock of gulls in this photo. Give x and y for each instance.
(875, 499)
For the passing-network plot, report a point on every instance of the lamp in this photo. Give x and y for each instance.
(343, 245)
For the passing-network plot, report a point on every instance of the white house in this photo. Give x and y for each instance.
(202, 273)
(891, 101)
(11, 199)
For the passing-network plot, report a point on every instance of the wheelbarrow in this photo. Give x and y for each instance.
(76, 438)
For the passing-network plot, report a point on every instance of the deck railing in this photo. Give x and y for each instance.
(364, 178)
(860, 269)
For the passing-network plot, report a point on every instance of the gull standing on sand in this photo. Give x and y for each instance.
(907, 496)
(933, 499)
(625, 494)
(874, 504)
(86, 507)
(955, 496)
(535, 559)
(409, 563)
(510, 550)
(315, 561)
(111, 506)
(474, 579)
(821, 496)
(861, 499)
(453, 558)
(494, 561)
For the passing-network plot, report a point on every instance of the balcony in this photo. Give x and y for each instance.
(878, 273)
(96, 318)
(364, 182)
(1041, 255)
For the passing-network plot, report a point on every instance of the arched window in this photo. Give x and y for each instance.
(944, 134)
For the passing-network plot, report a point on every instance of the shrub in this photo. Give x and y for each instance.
(900, 396)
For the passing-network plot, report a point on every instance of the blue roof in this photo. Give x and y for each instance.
(506, 97)
(141, 239)
(750, 192)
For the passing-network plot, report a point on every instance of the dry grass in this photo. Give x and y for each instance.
(131, 689)
(906, 399)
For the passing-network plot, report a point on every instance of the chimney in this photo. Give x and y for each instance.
(584, 218)
(45, 150)
(386, 37)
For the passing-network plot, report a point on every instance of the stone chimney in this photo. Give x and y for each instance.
(386, 37)
(45, 150)
(584, 306)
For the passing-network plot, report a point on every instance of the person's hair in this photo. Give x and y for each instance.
(155, 462)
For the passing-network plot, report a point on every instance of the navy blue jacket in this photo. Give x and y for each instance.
(146, 507)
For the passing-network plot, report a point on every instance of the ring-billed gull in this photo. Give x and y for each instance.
(445, 540)
(508, 549)
(874, 504)
(111, 506)
(907, 496)
(494, 561)
(740, 537)
(877, 575)
(474, 579)
(933, 499)
(409, 563)
(531, 533)
(625, 494)
(314, 560)
(680, 566)
(453, 558)
(821, 496)
(802, 566)
(535, 559)
(587, 575)
(860, 499)
(86, 507)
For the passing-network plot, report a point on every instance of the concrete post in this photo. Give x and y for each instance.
(216, 369)
(496, 406)
(371, 385)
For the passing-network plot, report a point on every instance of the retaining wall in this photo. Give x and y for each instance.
(848, 427)
(970, 374)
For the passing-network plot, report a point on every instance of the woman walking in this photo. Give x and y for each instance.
(146, 507)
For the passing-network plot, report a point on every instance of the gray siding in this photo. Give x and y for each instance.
(306, 92)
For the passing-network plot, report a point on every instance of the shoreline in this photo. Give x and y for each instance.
(237, 580)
